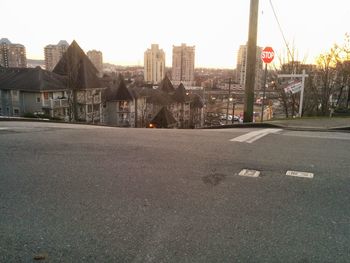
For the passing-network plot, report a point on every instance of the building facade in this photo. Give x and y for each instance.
(154, 64)
(53, 54)
(32, 92)
(242, 67)
(12, 55)
(183, 65)
(97, 59)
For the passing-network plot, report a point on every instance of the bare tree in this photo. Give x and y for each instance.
(326, 70)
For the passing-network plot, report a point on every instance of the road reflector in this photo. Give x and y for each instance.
(249, 173)
(300, 174)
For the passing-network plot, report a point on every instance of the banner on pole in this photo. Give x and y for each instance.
(293, 87)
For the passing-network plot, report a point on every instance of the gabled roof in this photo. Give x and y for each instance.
(197, 102)
(163, 119)
(31, 79)
(77, 63)
(166, 85)
(122, 92)
(180, 94)
(153, 96)
(119, 92)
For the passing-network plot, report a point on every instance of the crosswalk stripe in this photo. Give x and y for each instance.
(254, 135)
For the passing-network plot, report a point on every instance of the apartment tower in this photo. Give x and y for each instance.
(97, 59)
(242, 67)
(154, 64)
(183, 65)
(53, 54)
(12, 55)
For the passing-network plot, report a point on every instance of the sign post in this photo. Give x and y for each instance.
(294, 88)
(267, 55)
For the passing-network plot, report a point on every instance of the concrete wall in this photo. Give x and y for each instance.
(16, 103)
(30, 103)
(114, 116)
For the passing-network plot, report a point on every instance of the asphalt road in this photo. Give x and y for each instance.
(76, 193)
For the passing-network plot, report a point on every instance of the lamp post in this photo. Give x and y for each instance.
(228, 99)
(233, 110)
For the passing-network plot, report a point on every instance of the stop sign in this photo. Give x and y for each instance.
(267, 55)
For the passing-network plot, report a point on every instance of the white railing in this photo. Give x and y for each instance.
(56, 103)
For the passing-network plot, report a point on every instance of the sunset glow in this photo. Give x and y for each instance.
(123, 30)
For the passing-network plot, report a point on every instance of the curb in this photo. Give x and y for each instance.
(244, 125)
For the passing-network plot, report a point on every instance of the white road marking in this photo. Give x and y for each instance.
(2, 128)
(300, 174)
(254, 135)
(249, 173)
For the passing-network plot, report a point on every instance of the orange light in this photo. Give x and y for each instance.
(151, 125)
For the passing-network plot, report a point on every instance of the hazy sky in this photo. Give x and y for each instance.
(123, 30)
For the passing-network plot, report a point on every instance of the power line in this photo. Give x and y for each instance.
(280, 28)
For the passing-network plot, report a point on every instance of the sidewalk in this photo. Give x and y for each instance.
(320, 124)
(304, 124)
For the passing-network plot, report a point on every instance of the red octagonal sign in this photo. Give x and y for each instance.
(267, 55)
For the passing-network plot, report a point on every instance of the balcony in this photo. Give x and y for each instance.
(55, 103)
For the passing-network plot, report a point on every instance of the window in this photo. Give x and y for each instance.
(123, 105)
(15, 111)
(46, 95)
(15, 95)
(38, 100)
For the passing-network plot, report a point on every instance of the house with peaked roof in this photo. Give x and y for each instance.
(148, 103)
(25, 91)
(119, 106)
(166, 85)
(163, 119)
(84, 86)
(185, 108)
(181, 106)
(138, 107)
(196, 111)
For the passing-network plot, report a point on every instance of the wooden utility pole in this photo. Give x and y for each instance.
(251, 62)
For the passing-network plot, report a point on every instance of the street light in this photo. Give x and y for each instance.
(233, 110)
(228, 100)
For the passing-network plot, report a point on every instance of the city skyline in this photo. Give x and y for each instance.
(123, 30)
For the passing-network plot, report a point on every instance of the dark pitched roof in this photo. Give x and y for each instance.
(122, 92)
(180, 94)
(196, 101)
(166, 85)
(119, 92)
(74, 60)
(31, 79)
(153, 96)
(159, 98)
(163, 119)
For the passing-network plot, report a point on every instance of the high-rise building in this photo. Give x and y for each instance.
(53, 54)
(154, 64)
(183, 65)
(12, 55)
(96, 58)
(242, 67)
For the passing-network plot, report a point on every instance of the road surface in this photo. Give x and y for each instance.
(79, 193)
